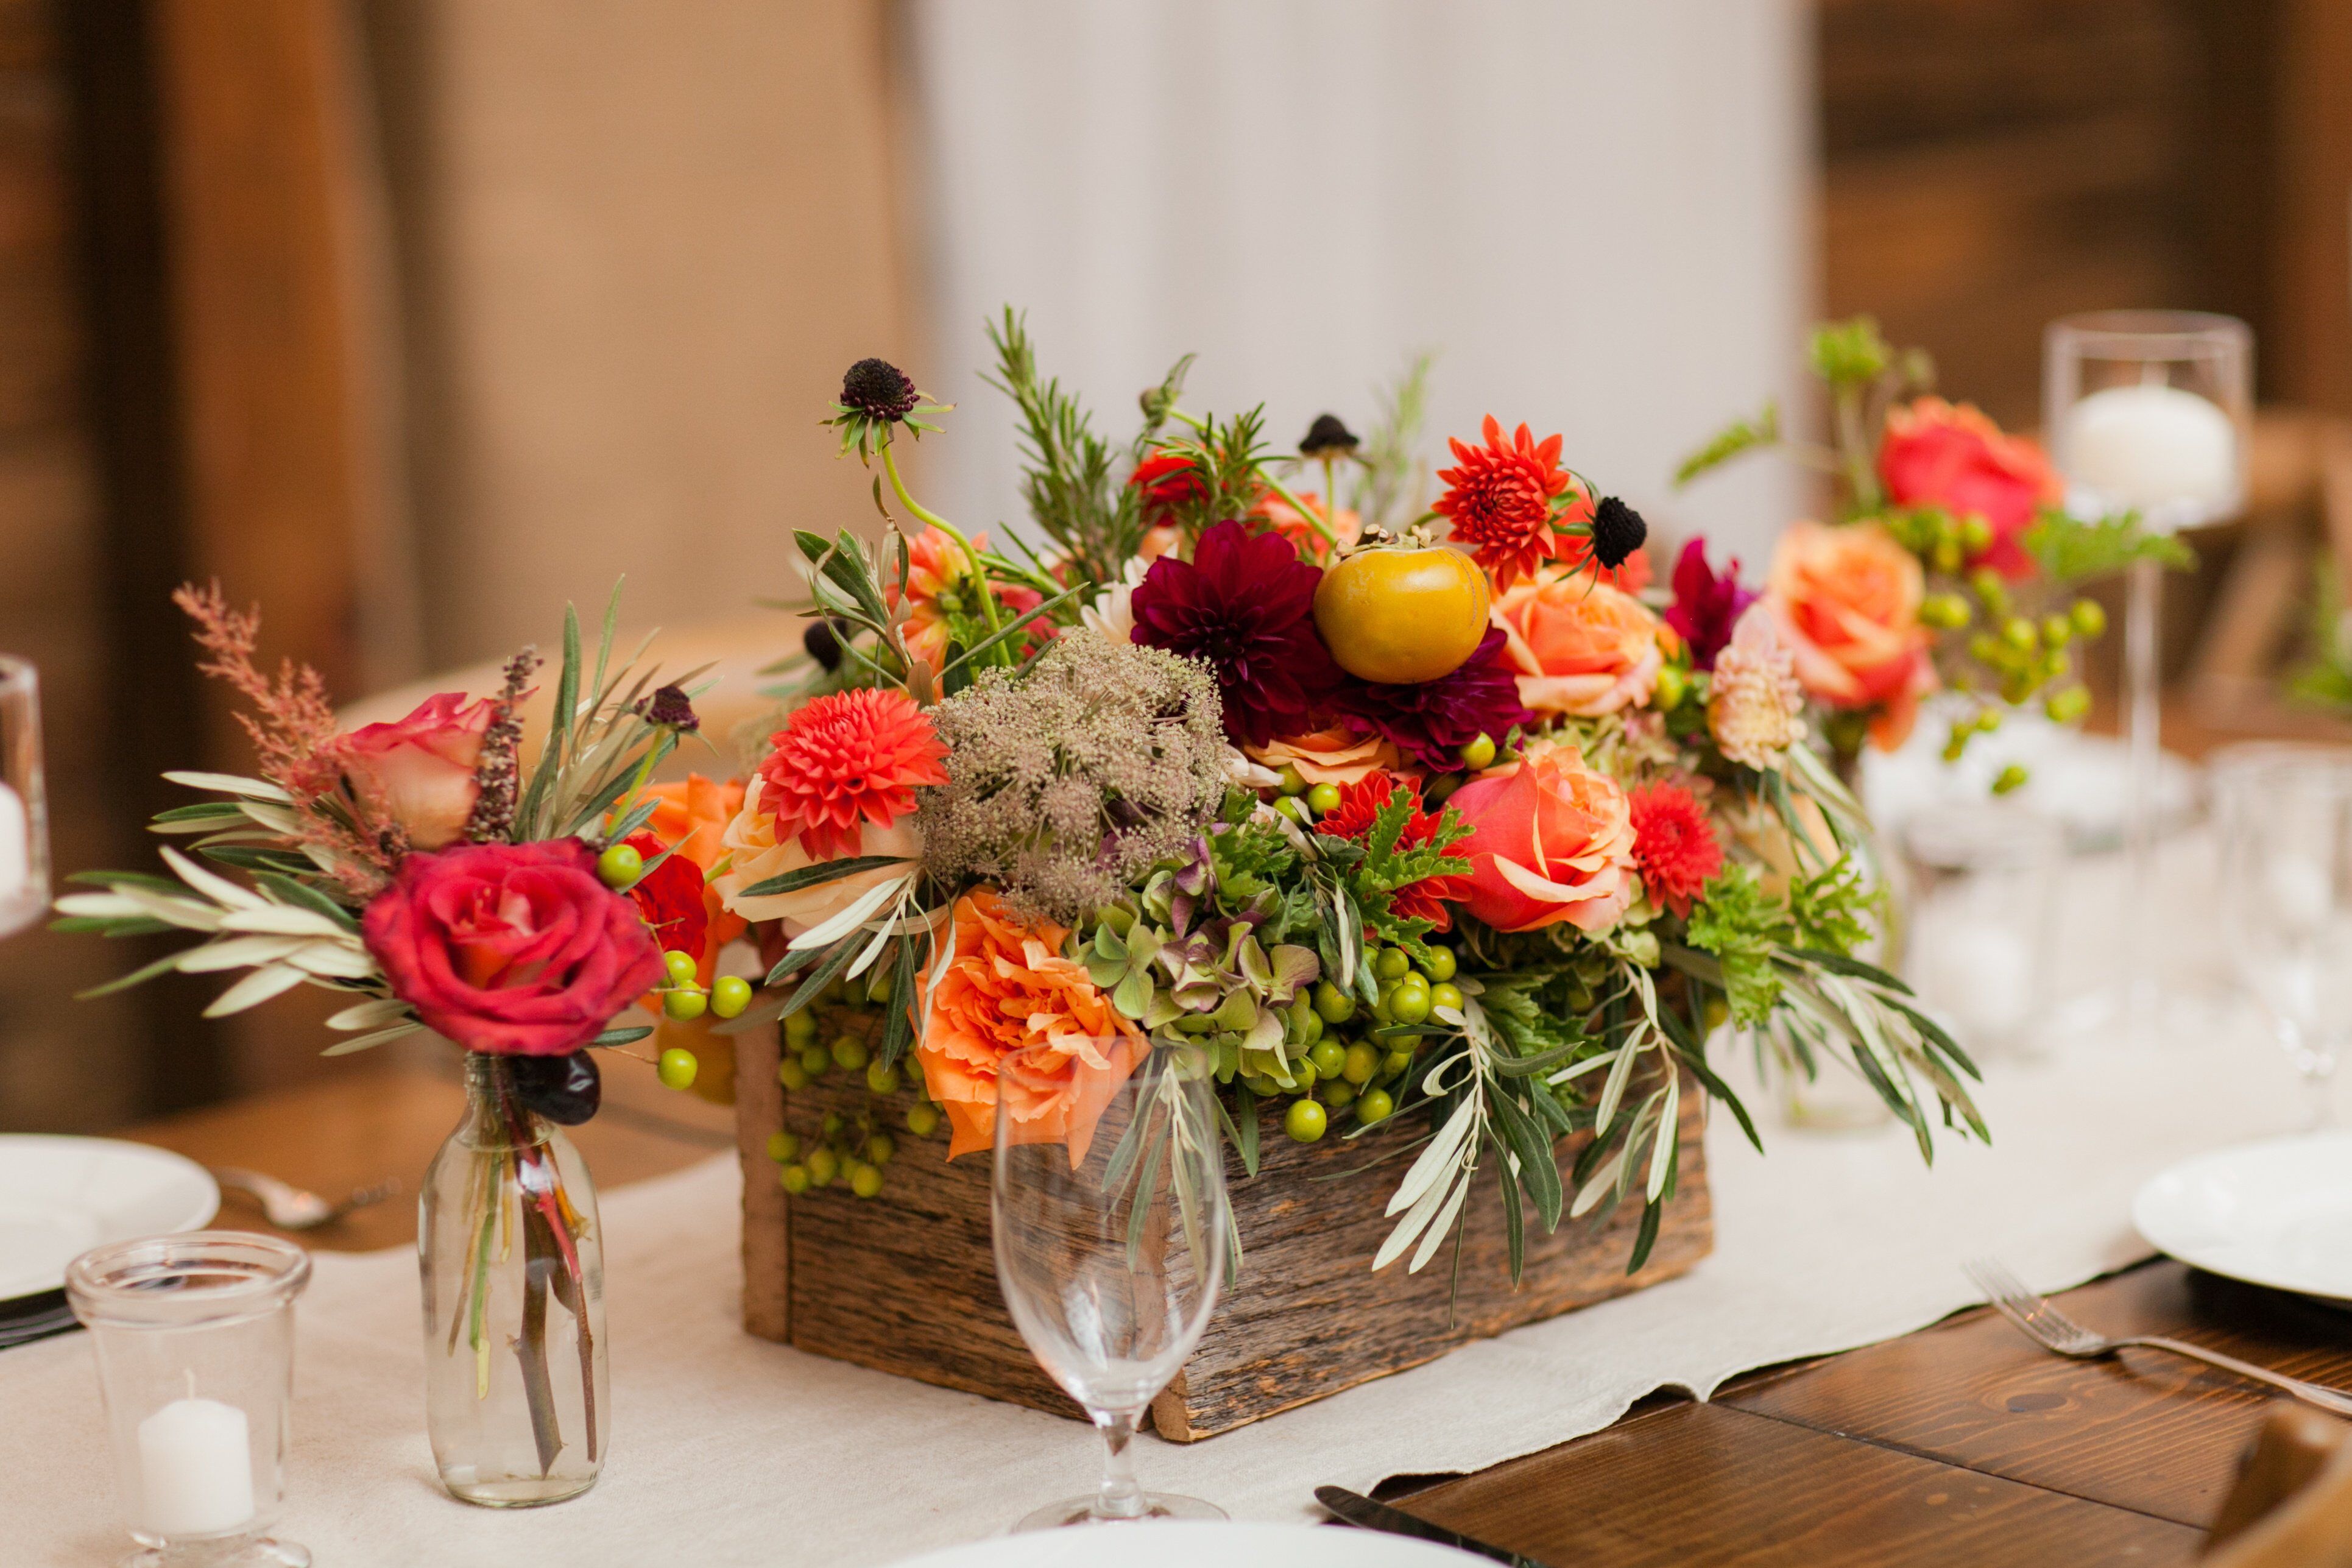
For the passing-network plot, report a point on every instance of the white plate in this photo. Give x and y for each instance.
(1169, 1544)
(2278, 1212)
(61, 1196)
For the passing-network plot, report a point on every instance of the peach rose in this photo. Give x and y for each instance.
(1550, 840)
(1581, 647)
(418, 772)
(1847, 600)
(1291, 523)
(750, 837)
(1336, 755)
(1011, 1019)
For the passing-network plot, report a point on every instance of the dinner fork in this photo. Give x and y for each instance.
(289, 1207)
(2053, 1330)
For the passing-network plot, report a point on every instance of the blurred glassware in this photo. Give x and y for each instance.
(2151, 412)
(1983, 885)
(24, 809)
(2285, 815)
(194, 1336)
(1111, 1254)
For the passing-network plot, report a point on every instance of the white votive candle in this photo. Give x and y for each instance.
(195, 1469)
(2152, 447)
(1984, 972)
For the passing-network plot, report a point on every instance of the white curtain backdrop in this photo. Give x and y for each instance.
(1595, 211)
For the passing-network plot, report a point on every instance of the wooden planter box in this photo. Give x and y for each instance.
(905, 1282)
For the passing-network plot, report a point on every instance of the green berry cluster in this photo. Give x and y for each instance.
(835, 1034)
(1344, 1057)
(683, 994)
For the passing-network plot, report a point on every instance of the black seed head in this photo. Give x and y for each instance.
(668, 706)
(565, 1089)
(1326, 438)
(824, 645)
(1618, 531)
(879, 390)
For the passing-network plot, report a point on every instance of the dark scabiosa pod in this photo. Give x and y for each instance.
(1328, 439)
(879, 390)
(565, 1089)
(669, 708)
(824, 645)
(1618, 531)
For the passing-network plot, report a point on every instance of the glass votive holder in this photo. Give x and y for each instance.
(195, 1339)
(1983, 880)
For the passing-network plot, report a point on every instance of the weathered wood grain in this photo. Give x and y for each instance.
(905, 1282)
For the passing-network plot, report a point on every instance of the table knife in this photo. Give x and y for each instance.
(1365, 1514)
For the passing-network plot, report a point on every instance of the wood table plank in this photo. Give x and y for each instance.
(2150, 1432)
(1687, 1485)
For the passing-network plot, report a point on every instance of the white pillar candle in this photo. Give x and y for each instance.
(195, 1469)
(2152, 447)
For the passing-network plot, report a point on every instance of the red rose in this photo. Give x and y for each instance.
(514, 949)
(1950, 455)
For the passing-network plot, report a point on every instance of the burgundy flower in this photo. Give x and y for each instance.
(1244, 606)
(1705, 607)
(1433, 721)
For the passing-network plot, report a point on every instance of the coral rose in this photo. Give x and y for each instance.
(1950, 455)
(418, 772)
(1012, 1019)
(750, 837)
(1550, 840)
(1335, 755)
(1847, 602)
(1580, 646)
(513, 949)
(1292, 524)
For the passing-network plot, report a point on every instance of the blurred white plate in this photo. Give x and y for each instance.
(1170, 1544)
(2278, 1212)
(2084, 781)
(61, 1196)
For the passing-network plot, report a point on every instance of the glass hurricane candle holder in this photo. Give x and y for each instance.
(24, 815)
(194, 1340)
(1983, 879)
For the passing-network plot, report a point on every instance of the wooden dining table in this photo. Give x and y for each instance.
(1959, 1444)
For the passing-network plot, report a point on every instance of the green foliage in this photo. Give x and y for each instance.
(2071, 551)
(1850, 353)
(1228, 459)
(1387, 866)
(1739, 436)
(1740, 924)
(1831, 910)
(1391, 470)
(2326, 680)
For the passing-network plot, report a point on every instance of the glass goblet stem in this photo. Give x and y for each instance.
(2143, 719)
(1121, 1496)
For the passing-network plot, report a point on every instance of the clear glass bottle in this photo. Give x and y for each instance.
(513, 1268)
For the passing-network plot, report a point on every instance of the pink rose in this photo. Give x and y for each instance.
(1550, 840)
(514, 949)
(419, 772)
(1581, 646)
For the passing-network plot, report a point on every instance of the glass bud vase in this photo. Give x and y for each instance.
(513, 1270)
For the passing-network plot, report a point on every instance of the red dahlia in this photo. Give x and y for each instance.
(1244, 607)
(1163, 482)
(1673, 843)
(1505, 501)
(847, 757)
(1352, 818)
(669, 897)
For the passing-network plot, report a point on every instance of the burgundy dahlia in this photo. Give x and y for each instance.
(1433, 721)
(1244, 606)
(1705, 607)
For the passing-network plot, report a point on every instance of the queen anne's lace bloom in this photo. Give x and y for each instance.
(1754, 708)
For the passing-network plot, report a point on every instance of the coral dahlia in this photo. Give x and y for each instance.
(1504, 498)
(1365, 799)
(1673, 843)
(1244, 607)
(847, 757)
(1433, 721)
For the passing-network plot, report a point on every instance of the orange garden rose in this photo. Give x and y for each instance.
(1580, 646)
(1550, 839)
(1847, 600)
(1012, 1019)
(1288, 522)
(1336, 755)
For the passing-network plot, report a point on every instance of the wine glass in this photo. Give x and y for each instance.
(23, 811)
(2148, 412)
(1110, 1244)
(2286, 900)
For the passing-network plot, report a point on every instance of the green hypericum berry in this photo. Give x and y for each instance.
(1333, 1004)
(1262, 1086)
(795, 1179)
(1374, 1105)
(1478, 752)
(1323, 799)
(1946, 555)
(2057, 630)
(800, 1030)
(2090, 617)
(823, 1164)
(882, 1079)
(676, 1067)
(1396, 1062)
(1988, 720)
(1444, 995)
(792, 1075)
(2011, 778)
(816, 1062)
(831, 1125)
(1441, 964)
(681, 967)
(1361, 1062)
(1305, 1122)
(1303, 1073)
(1393, 963)
(2065, 707)
(1674, 685)
(1975, 531)
(683, 1003)
(1291, 806)
(619, 865)
(1293, 780)
(1337, 1094)
(923, 1118)
(1329, 1056)
(783, 1148)
(729, 994)
(849, 1054)
(2019, 633)
(879, 1148)
(865, 1181)
(1411, 1002)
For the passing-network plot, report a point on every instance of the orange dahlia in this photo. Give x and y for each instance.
(1673, 843)
(1506, 501)
(847, 757)
(1012, 1019)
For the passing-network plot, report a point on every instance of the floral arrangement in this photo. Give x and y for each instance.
(1949, 566)
(1424, 819)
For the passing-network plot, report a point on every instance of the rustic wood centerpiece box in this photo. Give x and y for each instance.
(906, 1282)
